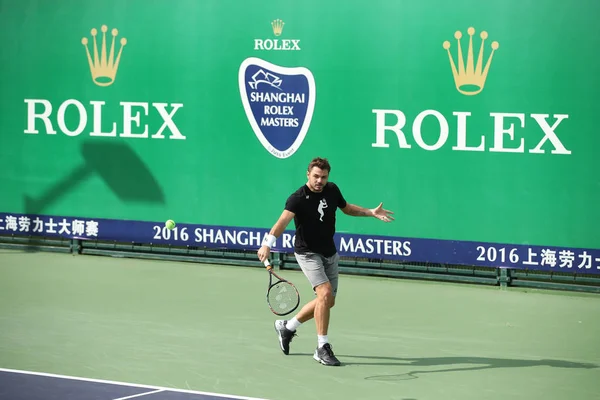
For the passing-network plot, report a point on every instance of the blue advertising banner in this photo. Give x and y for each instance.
(540, 258)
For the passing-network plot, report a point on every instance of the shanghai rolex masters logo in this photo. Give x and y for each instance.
(279, 103)
(470, 79)
(103, 68)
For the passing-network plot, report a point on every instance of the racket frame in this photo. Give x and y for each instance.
(272, 284)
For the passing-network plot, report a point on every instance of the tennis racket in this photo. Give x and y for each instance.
(282, 295)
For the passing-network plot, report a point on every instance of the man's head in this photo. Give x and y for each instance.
(318, 174)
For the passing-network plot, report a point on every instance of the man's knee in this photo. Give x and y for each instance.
(325, 293)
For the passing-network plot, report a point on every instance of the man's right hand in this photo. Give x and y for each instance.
(263, 253)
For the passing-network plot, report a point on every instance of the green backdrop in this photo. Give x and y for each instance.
(364, 56)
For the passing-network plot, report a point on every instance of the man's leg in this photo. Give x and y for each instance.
(307, 312)
(314, 269)
(325, 296)
(325, 301)
(322, 306)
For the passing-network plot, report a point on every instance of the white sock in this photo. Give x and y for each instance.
(322, 340)
(293, 324)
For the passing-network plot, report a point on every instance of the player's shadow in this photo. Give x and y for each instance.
(122, 171)
(451, 364)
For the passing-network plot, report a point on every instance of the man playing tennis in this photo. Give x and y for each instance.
(313, 207)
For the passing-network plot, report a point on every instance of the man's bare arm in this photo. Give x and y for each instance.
(379, 212)
(284, 220)
(357, 211)
(276, 231)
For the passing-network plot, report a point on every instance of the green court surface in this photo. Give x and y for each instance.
(208, 328)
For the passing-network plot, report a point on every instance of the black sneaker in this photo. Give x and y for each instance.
(325, 355)
(285, 335)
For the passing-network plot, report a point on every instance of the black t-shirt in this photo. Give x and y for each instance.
(315, 218)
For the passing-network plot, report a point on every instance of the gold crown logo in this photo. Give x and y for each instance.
(104, 69)
(470, 80)
(277, 26)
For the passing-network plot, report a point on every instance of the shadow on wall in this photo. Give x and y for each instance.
(123, 172)
(119, 167)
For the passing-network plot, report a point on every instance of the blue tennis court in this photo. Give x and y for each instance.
(27, 385)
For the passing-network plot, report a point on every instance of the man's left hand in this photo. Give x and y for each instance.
(382, 214)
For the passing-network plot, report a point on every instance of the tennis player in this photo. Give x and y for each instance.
(313, 207)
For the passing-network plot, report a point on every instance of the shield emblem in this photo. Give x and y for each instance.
(279, 103)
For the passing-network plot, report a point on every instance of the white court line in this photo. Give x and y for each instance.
(76, 378)
(139, 394)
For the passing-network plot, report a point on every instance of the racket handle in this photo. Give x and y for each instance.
(267, 263)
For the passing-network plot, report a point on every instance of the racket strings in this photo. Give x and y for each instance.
(282, 297)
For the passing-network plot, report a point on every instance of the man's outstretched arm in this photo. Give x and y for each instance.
(378, 212)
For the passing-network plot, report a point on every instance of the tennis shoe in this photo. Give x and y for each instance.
(285, 335)
(325, 356)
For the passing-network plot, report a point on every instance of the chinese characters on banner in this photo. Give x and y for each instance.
(71, 227)
(566, 259)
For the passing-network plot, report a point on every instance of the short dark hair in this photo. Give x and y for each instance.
(319, 162)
